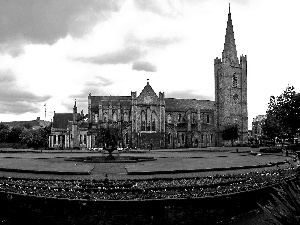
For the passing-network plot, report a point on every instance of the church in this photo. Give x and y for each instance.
(149, 120)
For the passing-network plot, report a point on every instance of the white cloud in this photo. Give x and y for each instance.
(179, 39)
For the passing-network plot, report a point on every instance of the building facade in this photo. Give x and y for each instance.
(257, 122)
(149, 120)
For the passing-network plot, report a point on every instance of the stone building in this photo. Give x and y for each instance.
(257, 122)
(149, 120)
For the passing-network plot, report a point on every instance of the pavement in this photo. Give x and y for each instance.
(168, 163)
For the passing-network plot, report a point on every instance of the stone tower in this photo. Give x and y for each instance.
(231, 88)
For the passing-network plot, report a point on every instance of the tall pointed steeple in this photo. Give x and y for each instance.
(229, 51)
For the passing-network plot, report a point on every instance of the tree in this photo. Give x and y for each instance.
(14, 135)
(230, 133)
(109, 137)
(4, 132)
(34, 138)
(283, 115)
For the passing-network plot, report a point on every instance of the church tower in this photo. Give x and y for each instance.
(231, 88)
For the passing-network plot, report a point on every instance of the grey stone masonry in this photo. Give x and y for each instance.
(231, 88)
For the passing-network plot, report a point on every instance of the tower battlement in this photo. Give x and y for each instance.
(217, 61)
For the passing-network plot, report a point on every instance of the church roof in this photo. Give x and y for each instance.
(113, 100)
(175, 104)
(61, 120)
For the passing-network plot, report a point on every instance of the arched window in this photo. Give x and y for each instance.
(179, 118)
(169, 138)
(169, 119)
(105, 117)
(143, 121)
(148, 119)
(234, 80)
(153, 121)
(207, 118)
(114, 117)
(125, 117)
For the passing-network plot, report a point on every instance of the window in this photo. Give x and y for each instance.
(153, 121)
(169, 119)
(114, 117)
(105, 117)
(169, 138)
(126, 139)
(234, 80)
(207, 118)
(126, 118)
(143, 121)
(179, 118)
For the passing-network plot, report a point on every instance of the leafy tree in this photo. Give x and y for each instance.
(283, 115)
(230, 133)
(14, 135)
(109, 137)
(4, 132)
(35, 138)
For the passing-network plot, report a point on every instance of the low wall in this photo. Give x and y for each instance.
(22, 209)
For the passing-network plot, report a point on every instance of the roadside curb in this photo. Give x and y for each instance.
(202, 170)
(45, 171)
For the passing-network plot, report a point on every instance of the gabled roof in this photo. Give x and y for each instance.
(61, 120)
(147, 96)
(175, 104)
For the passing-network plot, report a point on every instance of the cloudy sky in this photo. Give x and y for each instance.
(55, 51)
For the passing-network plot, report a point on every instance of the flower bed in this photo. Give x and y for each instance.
(145, 189)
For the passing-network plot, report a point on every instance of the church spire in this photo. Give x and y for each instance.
(229, 51)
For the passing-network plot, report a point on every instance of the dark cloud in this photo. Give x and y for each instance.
(187, 95)
(18, 108)
(15, 100)
(133, 50)
(45, 21)
(144, 66)
(123, 56)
